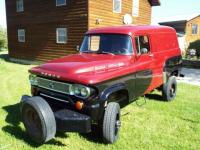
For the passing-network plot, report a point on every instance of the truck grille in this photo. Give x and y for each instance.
(54, 85)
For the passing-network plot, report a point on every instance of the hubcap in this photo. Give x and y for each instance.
(117, 126)
(172, 90)
(32, 120)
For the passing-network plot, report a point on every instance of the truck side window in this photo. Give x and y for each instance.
(142, 44)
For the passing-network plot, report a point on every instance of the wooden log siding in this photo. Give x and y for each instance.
(189, 36)
(104, 11)
(40, 20)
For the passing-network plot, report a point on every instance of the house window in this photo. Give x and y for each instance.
(117, 6)
(61, 35)
(142, 45)
(60, 2)
(20, 5)
(194, 29)
(135, 11)
(21, 35)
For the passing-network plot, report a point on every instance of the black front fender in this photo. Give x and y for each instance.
(112, 89)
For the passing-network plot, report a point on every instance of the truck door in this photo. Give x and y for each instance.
(143, 64)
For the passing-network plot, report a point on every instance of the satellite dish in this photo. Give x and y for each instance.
(127, 19)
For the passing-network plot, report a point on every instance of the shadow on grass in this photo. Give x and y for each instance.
(190, 120)
(95, 136)
(13, 119)
(155, 97)
(6, 58)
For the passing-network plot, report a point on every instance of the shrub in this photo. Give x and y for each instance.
(3, 38)
(195, 45)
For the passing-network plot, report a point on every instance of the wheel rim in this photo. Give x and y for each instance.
(172, 90)
(32, 121)
(117, 125)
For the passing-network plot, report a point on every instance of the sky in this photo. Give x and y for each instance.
(173, 9)
(2, 13)
(168, 9)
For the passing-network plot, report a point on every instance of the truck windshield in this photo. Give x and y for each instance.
(116, 44)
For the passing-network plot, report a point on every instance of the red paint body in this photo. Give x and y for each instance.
(90, 69)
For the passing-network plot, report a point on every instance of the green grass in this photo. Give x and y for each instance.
(155, 125)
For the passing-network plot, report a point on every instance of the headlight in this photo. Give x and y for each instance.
(77, 90)
(80, 91)
(85, 92)
(33, 79)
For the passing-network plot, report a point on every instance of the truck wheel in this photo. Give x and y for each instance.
(38, 119)
(169, 89)
(111, 123)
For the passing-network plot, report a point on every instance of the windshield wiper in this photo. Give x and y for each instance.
(88, 52)
(100, 52)
(103, 52)
(85, 51)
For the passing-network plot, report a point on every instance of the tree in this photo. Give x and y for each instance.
(3, 38)
(195, 45)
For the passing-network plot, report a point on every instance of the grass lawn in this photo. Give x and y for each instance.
(154, 125)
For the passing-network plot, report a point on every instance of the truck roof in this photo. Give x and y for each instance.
(131, 29)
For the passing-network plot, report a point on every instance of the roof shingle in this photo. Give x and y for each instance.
(154, 2)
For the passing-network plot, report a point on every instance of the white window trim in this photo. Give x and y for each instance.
(135, 7)
(197, 29)
(61, 4)
(118, 12)
(57, 39)
(18, 35)
(17, 10)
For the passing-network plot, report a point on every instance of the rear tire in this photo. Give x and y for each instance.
(169, 89)
(111, 123)
(38, 119)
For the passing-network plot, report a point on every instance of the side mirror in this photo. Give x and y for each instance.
(78, 48)
(144, 50)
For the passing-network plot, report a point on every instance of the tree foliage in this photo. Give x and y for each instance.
(195, 45)
(3, 38)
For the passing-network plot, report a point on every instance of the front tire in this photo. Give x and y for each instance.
(38, 119)
(169, 89)
(111, 123)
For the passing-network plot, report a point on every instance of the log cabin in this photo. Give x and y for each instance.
(41, 30)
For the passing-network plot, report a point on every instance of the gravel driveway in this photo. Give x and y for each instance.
(191, 76)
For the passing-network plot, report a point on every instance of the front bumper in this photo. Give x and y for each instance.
(68, 120)
(71, 121)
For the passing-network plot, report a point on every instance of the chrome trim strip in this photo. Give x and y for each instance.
(53, 98)
(53, 82)
(65, 86)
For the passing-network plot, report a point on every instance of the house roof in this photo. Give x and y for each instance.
(179, 18)
(154, 2)
(179, 26)
(194, 17)
(178, 22)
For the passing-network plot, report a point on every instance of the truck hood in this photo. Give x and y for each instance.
(84, 68)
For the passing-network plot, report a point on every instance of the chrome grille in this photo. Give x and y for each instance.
(54, 85)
